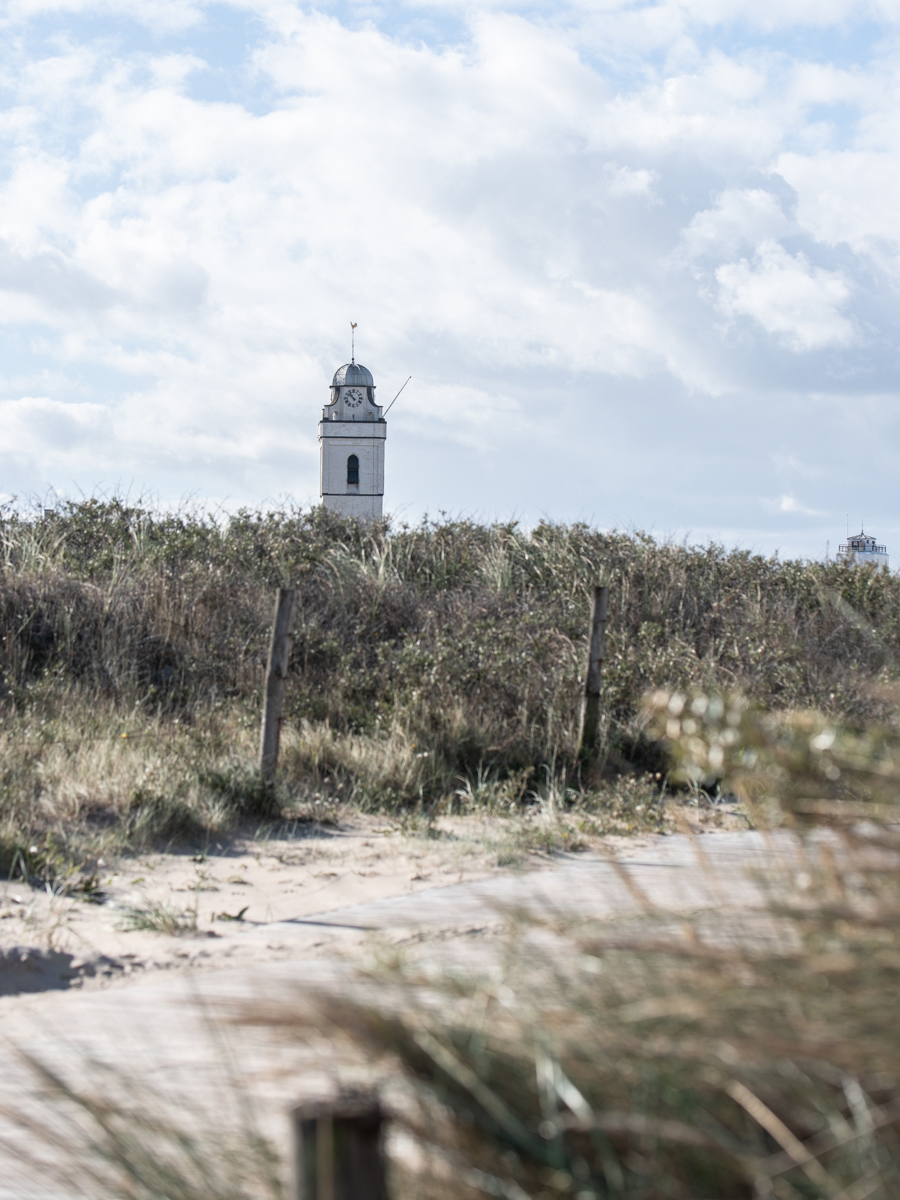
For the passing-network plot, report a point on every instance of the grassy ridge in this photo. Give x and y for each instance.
(433, 662)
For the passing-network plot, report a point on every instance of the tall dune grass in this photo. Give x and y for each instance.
(718, 1055)
(430, 663)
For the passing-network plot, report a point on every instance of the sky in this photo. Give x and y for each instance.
(640, 258)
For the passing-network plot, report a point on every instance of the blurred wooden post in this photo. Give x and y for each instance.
(337, 1150)
(276, 674)
(589, 741)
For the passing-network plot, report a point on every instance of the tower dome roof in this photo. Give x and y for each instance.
(353, 373)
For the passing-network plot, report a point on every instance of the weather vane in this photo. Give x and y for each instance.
(353, 341)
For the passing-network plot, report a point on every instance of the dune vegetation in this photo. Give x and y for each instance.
(435, 668)
(710, 1056)
(720, 1054)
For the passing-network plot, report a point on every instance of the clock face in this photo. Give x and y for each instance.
(353, 397)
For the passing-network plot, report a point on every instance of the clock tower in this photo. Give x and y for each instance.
(351, 446)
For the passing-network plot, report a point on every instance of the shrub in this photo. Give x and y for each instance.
(425, 658)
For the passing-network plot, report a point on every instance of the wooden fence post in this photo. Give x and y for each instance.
(337, 1150)
(276, 674)
(589, 740)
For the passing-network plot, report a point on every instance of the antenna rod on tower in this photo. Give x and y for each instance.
(353, 341)
(392, 403)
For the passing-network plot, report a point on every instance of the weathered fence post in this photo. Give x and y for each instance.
(337, 1150)
(276, 673)
(589, 741)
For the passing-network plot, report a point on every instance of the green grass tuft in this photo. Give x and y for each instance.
(157, 917)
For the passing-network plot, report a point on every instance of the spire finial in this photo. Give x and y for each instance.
(353, 341)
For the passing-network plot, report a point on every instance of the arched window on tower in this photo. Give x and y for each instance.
(353, 469)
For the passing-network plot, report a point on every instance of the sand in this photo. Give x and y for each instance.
(233, 887)
(158, 1011)
(227, 896)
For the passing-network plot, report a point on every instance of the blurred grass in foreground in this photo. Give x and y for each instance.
(721, 1054)
(717, 1055)
(110, 1134)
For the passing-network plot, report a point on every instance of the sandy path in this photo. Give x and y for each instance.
(248, 883)
(173, 1034)
(69, 941)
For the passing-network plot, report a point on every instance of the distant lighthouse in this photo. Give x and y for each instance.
(352, 434)
(863, 549)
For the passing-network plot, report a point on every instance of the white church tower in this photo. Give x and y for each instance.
(351, 446)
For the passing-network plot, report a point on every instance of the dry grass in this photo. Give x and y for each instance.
(657, 1062)
(720, 1056)
(435, 668)
(85, 780)
(109, 1134)
(158, 917)
(723, 1055)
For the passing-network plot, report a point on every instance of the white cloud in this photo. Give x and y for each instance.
(790, 504)
(740, 218)
(798, 303)
(849, 196)
(623, 181)
(464, 415)
(52, 438)
(535, 235)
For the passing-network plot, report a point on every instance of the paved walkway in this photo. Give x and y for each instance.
(176, 1035)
